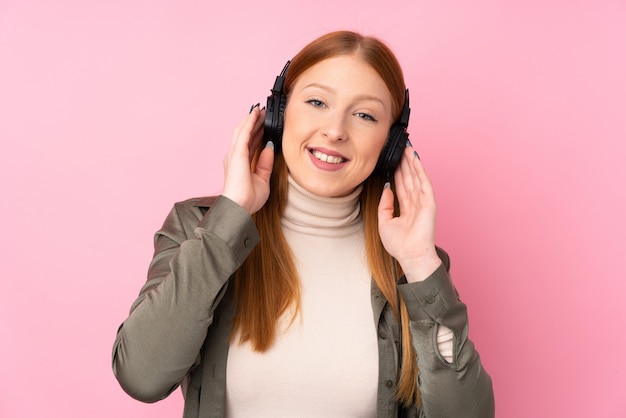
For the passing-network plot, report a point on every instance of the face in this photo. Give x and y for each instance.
(337, 120)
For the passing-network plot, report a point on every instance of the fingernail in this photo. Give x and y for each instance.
(253, 106)
(417, 155)
(269, 145)
(408, 143)
(387, 185)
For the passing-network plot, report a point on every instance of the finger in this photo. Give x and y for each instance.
(266, 162)
(427, 195)
(242, 125)
(243, 132)
(238, 155)
(405, 182)
(425, 183)
(257, 132)
(385, 206)
(410, 171)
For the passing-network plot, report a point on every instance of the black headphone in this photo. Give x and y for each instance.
(391, 154)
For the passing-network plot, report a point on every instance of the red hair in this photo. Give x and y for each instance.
(267, 284)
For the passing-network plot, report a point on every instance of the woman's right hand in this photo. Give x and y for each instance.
(248, 189)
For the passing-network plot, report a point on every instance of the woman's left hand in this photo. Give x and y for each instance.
(410, 237)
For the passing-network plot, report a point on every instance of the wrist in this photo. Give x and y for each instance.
(420, 268)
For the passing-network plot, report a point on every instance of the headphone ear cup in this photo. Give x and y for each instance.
(275, 111)
(274, 119)
(392, 151)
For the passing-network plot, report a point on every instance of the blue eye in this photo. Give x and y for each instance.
(365, 116)
(315, 102)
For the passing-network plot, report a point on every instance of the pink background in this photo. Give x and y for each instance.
(111, 111)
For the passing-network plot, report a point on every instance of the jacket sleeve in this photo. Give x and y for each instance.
(461, 388)
(160, 341)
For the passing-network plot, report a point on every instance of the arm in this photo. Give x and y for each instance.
(460, 388)
(160, 341)
(194, 257)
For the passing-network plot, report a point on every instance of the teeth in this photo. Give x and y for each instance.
(331, 159)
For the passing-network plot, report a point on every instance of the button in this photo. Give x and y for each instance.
(389, 384)
(430, 299)
(382, 334)
(246, 242)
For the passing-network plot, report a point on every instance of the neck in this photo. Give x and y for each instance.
(317, 215)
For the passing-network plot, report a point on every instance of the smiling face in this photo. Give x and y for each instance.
(337, 120)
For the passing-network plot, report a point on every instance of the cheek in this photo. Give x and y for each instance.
(289, 129)
(377, 147)
(287, 136)
(290, 135)
(289, 145)
(287, 150)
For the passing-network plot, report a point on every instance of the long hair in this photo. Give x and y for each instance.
(266, 286)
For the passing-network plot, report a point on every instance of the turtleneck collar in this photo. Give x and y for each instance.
(324, 216)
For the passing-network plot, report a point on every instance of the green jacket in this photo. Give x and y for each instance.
(178, 329)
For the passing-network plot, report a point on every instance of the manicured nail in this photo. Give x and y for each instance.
(408, 143)
(387, 185)
(417, 155)
(253, 106)
(269, 145)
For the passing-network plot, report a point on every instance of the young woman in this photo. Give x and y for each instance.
(312, 287)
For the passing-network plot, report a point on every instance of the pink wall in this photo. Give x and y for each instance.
(111, 111)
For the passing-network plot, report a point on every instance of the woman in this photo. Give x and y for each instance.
(309, 287)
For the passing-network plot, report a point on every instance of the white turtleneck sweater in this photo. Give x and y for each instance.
(325, 363)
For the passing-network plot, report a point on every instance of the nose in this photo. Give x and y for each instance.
(335, 128)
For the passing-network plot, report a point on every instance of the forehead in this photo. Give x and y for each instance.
(344, 73)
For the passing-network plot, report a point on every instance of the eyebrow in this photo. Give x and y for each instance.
(360, 97)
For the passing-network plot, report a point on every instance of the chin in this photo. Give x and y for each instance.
(323, 186)
(324, 191)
